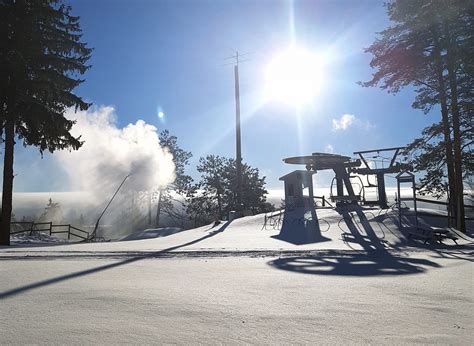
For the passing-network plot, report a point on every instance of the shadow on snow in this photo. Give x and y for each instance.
(301, 226)
(373, 259)
(353, 265)
(25, 288)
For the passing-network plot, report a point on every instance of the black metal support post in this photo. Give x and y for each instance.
(381, 191)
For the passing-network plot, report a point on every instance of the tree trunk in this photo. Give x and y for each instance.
(7, 182)
(446, 125)
(459, 197)
(158, 211)
(219, 205)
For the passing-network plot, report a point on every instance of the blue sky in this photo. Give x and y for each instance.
(152, 56)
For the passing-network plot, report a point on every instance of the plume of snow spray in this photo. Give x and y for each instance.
(109, 154)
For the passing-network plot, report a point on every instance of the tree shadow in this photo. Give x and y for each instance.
(29, 287)
(445, 248)
(460, 253)
(300, 226)
(152, 233)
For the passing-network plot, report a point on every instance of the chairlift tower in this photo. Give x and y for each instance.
(393, 167)
(406, 177)
(323, 161)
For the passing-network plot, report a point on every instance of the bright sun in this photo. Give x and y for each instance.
(293, 77)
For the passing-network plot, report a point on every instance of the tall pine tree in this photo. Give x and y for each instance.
(429, 46)
(41, 60)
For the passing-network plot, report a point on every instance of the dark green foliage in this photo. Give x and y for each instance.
(180, 159)
(172, 198)
(427, 154)
(207, 196)
(253, 188)
(430, 45)
(41, 57)
(41, 61)
(215, 194)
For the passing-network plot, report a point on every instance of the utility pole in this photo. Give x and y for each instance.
(238, 147)
(237, 132)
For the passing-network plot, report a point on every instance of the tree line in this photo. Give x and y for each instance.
(213, 196)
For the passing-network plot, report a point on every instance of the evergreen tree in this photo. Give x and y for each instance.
(212, 186)
(52, 213)
(428, 155)
(429, 46)
(253, 188)
(214, 196)
(41, 59)
(175, 193)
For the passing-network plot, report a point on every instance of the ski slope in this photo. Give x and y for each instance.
(360, 280)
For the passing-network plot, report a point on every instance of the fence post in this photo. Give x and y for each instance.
(50, 228)
(69, 232)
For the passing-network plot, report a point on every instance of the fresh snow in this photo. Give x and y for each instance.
(152, 233)
(34, 238)
(360, 280)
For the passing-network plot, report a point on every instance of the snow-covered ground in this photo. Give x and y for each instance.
(346, 229)
(39, 238)
(350, 277)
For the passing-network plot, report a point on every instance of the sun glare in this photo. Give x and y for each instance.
(293, 77)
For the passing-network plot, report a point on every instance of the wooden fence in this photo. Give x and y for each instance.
(48, 227)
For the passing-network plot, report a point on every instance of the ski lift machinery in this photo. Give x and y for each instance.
(340, 165)
(379, 173)
(348, 171)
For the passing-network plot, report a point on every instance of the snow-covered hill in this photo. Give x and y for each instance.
(354, 229)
